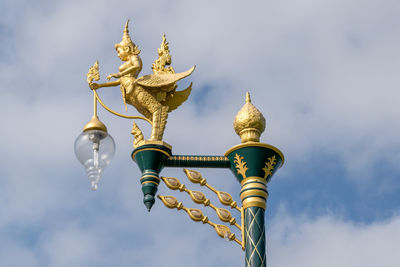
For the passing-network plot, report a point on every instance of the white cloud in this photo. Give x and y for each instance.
(331, 241)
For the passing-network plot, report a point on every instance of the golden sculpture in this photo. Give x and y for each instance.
(154, 95)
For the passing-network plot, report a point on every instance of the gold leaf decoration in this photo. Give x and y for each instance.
(195, 214)
(224, 214)
(224, 231)
(240, 165)
(195, 177)
(197, 196)
(93, 73)
(169, 201)
(269, 166)
(224, 198)
(172, 182)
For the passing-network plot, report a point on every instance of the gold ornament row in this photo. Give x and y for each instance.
(199, 198)
(197, 216)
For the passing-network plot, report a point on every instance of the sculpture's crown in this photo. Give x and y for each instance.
(127, 41)
(249, 123)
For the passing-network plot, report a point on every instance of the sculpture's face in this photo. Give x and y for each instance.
(123, 53)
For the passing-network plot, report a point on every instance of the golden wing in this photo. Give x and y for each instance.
(175, 99)
(163, 80)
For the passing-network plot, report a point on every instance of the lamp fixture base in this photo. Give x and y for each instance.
(150, 158)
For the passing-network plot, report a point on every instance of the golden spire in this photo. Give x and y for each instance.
(249, 123)
(127, 41)
(125, 37)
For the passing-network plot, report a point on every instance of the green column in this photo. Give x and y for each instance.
(254, 237)
(254, 199)
(253, 164)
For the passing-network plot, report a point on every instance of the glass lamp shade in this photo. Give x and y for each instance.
(94, 149)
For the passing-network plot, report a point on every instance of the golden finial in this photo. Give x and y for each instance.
(249, 122)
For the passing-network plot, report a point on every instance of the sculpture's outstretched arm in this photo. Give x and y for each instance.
(95, 86)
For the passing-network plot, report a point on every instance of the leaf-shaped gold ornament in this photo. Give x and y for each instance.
(172, 182)
(197, 197)
(269, 166)
(93, 73)
(224, 231)
(194, 176)
(224, 214)
(169, 201)
(195, 214)
(224, 198)
(240, 165)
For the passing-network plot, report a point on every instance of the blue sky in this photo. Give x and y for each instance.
(324, 74)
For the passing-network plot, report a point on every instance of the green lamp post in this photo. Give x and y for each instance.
(154, 96)
(253, 163)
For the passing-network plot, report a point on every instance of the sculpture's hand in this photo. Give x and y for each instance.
(94, 86)
(114, 75)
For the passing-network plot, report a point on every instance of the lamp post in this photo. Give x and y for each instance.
(154, 96)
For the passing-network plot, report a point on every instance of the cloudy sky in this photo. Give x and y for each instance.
(325, 74)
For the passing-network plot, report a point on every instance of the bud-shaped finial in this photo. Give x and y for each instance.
(249, 122)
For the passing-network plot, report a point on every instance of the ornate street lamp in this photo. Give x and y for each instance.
(154, 96)
(94, 147)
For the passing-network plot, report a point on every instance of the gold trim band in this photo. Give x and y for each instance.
(253, 193)
(151, 148)
(253, 179)
(155, 142)
(253, 183)
(146, 182)
(254, 202)
(150, 176)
